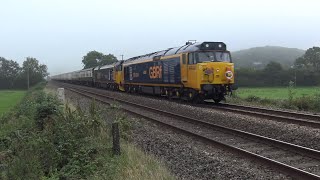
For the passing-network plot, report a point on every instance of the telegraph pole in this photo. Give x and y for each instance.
(295, 76)
(28, 76)
(28, 73)
(121, 56)
(294, 67)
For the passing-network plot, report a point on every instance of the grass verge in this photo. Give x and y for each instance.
(42, 139)
(10, 98)
(303, 99)
(276, 93)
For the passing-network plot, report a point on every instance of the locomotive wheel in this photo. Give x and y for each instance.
(178, 94)
(190, 96)
(126, 89)
(217, 100)
(199, 99)
(169, 94)
(220, 98)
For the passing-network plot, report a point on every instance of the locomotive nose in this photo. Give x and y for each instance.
(221, 72)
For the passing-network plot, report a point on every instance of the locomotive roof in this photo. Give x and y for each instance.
(188, 47)
(107, 66)
(88, 69)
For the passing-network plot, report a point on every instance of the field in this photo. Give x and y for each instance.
(8, 99)
(276, 92)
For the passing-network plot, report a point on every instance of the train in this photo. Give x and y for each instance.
(195, 71)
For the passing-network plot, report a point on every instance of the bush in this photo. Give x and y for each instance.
(307, 103)
(46, 107)
(252, 98)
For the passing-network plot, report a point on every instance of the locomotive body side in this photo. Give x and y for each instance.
(103, 76)
(164, 72)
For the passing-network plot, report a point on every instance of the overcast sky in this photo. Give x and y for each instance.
(60, 32)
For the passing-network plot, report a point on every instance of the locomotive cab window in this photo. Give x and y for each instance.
(192, 59)
(223, 56)
(184, 59)
(211, 56)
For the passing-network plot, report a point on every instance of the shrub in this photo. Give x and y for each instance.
(47, 106)
(252, 98)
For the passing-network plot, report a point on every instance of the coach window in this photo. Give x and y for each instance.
(184, 60)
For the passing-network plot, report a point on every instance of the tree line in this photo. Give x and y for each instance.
(95, 58)
(14, 76)
(304, 72)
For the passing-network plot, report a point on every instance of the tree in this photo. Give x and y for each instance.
(273, 67)
(9, 70)
(13, 76)
(95, 58)
(310, 60)
(308, 66)
(36, 71)
(274, 75)
(107, 59)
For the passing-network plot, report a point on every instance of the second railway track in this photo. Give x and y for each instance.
(310, 120)
(297, 161)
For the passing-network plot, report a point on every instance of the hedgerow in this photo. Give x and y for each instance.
(51, 142)
(43, 139)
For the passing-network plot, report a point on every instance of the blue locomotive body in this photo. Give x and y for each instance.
(155, 72)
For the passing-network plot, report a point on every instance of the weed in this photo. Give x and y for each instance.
(291, 92)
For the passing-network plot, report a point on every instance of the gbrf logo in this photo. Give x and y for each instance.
(155, 72)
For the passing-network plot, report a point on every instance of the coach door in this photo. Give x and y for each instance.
(184, 69)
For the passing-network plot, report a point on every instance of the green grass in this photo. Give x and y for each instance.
(8, 99)
(276, 92)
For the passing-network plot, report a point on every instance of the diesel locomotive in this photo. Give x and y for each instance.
(194, 72)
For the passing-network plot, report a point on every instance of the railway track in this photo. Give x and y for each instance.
(310, 120)
(297, 161)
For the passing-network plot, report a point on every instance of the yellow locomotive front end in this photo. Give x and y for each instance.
(210, 71)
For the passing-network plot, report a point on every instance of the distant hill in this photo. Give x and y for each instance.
(258, 57)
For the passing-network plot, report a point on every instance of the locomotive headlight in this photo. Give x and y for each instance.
(229, 74)
(218, 70)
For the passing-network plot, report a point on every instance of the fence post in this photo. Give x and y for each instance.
(61, 95)
(116, 138)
